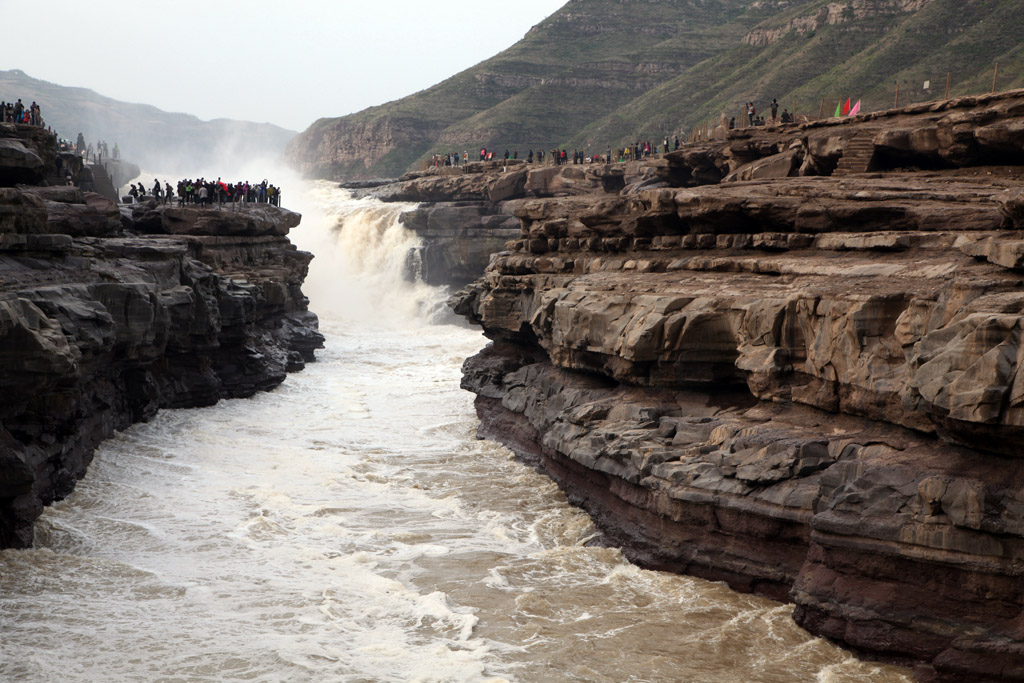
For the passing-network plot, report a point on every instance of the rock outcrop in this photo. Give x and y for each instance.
(458, 240)
(810, 386)
(109, 314)
(467, 213)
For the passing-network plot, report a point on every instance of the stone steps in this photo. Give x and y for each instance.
(101, 182)
(857, 155)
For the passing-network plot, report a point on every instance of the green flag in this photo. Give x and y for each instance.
(839, 108)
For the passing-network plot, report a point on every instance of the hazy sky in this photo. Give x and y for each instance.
(288, 62)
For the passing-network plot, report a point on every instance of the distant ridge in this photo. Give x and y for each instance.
(154, 139)
(600, 72)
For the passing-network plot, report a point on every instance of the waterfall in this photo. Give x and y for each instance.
(366, 267)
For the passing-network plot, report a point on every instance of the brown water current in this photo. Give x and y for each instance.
(350, 527)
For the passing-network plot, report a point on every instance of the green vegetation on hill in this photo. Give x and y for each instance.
(600, 73)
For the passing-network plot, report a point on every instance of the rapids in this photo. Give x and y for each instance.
(350, 527)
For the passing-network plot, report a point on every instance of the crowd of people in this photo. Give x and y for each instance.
(637, 150)
(561, 157)
(93, 154)
(205, 192)
(17, 112)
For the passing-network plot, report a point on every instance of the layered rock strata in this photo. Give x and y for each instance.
(808, 386)
(458, 239)
(468, 212)
(109, 314)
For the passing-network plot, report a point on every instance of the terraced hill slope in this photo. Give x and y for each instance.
(598, 73)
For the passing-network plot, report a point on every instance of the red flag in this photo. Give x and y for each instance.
(846, 108)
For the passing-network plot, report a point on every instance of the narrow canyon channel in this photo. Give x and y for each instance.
(350, 527)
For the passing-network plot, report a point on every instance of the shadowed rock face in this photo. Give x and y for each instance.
(101, 325)
(808, 387)
(27, 154)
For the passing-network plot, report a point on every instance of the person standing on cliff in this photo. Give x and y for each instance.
(775, 109)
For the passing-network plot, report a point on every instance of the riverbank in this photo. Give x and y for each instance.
(786, 359)
(110, 313)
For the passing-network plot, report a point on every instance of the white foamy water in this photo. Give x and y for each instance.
(350, 527)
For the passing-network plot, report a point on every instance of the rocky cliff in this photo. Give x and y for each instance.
(790, 359)
(109, 313)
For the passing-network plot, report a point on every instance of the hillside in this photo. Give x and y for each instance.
(823, 50)
(598, 73)
(150, 137)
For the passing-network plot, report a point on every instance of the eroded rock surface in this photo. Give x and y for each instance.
(808, 385)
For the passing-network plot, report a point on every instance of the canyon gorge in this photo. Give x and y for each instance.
(788, 359)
